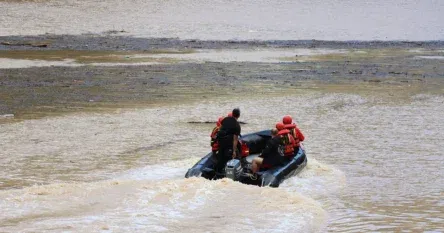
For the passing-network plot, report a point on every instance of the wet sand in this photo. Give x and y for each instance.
(175, 73)
(120, 42)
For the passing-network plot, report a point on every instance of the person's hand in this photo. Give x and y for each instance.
(234, 155)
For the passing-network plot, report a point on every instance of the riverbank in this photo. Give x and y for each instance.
(96, 73)
(117, 41)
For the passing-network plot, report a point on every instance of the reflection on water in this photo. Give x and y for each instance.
(380, 169)
(224, 19)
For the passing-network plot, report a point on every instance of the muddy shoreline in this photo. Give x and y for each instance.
(114, 40)
(387, 68)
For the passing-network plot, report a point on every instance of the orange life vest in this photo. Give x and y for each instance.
(288, 141)
(214, 143)
(293, 132)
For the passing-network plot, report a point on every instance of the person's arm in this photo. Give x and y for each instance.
(235, 140)
(300, 135)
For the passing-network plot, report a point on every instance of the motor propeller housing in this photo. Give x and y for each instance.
(233, 169)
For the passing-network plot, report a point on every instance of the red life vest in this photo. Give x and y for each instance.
(245, 151)
(288, 141)
(214, 143)
(294, 132)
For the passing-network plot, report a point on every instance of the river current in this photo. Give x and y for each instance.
(374, 163)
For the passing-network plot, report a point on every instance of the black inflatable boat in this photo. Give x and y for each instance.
(237, 169)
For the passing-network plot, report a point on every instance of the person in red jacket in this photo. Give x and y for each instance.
(213, 135)
(214, 142)
(294, 131)
(278, 151)
(287, 139)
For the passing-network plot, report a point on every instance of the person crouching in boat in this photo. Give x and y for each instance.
(228, 138)
(278, 151)
(294, 131)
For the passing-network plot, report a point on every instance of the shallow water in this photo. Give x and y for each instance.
(134, 59)
(6, 63)
(224, 19)
(374, 165)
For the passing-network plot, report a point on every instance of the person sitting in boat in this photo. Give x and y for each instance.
(287, 140)
(294, 131)
(277, 152)
(228, 138)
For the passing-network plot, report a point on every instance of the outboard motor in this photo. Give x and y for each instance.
(233, 169)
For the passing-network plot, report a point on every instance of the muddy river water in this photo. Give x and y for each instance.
(375, 155)
(225, 19)
(373, 166)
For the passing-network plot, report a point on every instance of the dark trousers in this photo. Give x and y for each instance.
(223, 156)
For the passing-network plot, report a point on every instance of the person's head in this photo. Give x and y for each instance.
(230, 114)
(287, 120)
(219, 121)
(280, 126)
(274, 132)
(236, 113)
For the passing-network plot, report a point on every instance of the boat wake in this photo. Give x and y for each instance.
(157, 197)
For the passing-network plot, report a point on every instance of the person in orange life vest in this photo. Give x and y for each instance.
(228, 139)
(214, 142)
(294, 131)
(213, 135)
(278, 151)
(287, 140)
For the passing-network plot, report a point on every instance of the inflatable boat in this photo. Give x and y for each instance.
(251, 145)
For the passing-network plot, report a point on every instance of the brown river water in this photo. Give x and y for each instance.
(374, 165)
(374, 162)
(226, 19)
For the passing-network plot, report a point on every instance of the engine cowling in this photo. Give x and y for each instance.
(233, 169)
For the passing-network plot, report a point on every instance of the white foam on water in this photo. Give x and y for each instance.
(316, 180)
(173, 169)
(187, 205)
